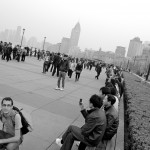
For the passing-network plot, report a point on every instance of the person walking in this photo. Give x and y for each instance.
(72, 66)
(64, 66)
(78, 71)
(98, 69)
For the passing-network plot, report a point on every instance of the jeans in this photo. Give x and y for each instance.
(70, 73)
(77, 76)
(73, 133)
(54, 69)
(61, 75)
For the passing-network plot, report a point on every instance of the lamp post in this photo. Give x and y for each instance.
(22, 36)
(44, 42)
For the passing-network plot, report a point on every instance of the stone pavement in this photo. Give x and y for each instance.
(52, 111)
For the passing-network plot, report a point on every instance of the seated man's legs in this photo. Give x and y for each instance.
(72, 133)
(82, 146)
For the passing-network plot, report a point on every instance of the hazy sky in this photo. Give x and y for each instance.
(104, 23)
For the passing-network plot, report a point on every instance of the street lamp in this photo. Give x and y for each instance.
(22, 36)
(44, 42)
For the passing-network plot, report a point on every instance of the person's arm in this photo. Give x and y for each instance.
(83, 110)
(110, 120)
(17, 136)
(89, 126)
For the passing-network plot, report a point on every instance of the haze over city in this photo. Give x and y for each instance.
(104, 23)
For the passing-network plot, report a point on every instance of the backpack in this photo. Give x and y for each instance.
(26, 126)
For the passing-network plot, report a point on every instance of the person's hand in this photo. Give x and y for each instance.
(81, 105)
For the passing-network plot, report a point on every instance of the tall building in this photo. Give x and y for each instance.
(18, 35)
(75, 34)
(64, 47)
(70, 44)
(135, 47)
(120, 51)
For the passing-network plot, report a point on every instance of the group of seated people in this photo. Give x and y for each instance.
(101, 120)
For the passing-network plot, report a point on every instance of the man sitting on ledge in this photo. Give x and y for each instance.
(91, 132)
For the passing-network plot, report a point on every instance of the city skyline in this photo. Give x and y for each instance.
(105, 24)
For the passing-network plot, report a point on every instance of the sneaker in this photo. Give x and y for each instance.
(58, 142)
(57, 88)
(62, 89)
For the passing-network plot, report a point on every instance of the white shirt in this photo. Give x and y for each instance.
(116, 104)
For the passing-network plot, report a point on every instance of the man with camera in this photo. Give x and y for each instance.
(91, 132)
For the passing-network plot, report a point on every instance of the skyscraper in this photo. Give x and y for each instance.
(71, 44)
(135, 47)
(75, 34)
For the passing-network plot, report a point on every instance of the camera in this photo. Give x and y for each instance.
(80, 102)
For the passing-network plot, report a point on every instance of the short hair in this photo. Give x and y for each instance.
(105, 90)
(113, 91)
(65, 55)
(96, 101)
(7, 99)
(111, 99)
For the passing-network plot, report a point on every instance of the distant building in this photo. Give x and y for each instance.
(75, 34)
(64, 48)
(120, 51)
(146, 48)
(18, 35)
(32, 42)
(146, 52)
(68, 45)
(135, 47)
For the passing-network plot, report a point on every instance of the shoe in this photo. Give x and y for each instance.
(58, 142)
(57, 88)
(62, 89)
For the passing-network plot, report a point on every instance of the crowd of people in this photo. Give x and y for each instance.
(63, 65)
(102, 117)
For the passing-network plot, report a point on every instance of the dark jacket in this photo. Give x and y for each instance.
(95, 125)
(98, 68)
(112, 123)
(64, 65)
(56, 60)
(79, 67)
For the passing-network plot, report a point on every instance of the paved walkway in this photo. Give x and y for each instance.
(52, 111)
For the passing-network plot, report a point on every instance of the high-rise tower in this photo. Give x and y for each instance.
(75, 34)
